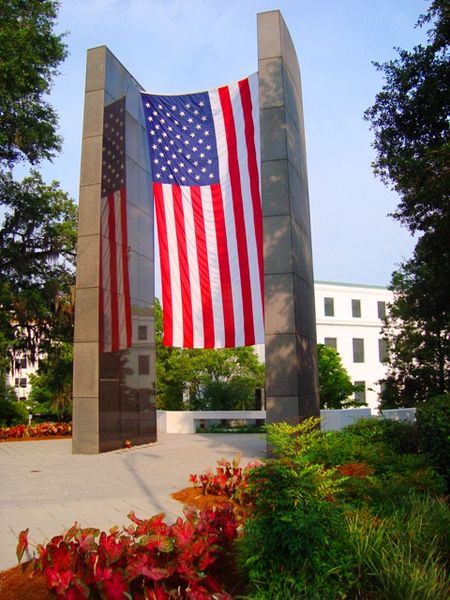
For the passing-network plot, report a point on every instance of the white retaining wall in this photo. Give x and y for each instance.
(186, 421)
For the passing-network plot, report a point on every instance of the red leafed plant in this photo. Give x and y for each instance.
(229, 479)
(33, 431)
(358, 470)
(149, 559)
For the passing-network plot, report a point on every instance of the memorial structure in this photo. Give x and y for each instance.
(114, 353)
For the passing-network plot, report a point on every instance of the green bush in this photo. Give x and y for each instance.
(295, 542)
(13, 413)
(404, 555)
(400, 436)
(433, 425)
(369, 447)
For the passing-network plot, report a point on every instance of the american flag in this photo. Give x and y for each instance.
(204, 152)
(115, 304)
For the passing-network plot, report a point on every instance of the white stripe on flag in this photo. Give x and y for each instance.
(177, 303)
(230, 223)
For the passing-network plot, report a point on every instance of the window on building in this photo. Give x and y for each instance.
(331, 342)
(356, 308)
(20, 363)
(142, 332)
(360, 396)
(381, 309)
(16, 382)
(144, 364)
(329, 307)
(358, 350)
(23, 382)
(382, 350)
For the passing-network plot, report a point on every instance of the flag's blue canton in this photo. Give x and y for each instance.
(183, 149)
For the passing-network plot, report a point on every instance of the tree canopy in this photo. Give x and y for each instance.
(37, 257)
(220, 379)
(38, 225)
(417, 327)
(410, 119)
(335, 386)
(30, 55)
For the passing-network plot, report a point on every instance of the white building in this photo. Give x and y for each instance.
(19, 376)
(348, 318)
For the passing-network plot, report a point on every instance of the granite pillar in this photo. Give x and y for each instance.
(290, 324)
(113, 392)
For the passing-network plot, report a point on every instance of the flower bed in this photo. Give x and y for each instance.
(39, 431)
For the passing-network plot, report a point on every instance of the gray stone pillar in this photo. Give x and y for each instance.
(290, 324)
(113, 391)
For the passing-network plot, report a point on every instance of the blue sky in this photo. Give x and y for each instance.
(189, 45)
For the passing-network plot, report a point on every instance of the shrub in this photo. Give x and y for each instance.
(404, 555)
(295, 541)
(399, 436)
(12, 412)
(433, 424)
(290, 441)
(229, 480)
(384, 476)
(148, 559)
(18, 432)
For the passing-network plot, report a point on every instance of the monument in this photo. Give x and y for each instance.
(290, 322)
(114, 352)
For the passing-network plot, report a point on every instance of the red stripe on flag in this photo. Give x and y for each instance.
(253, 170)
(125, 270)
(113, 274)
(241, 237)
(224, 266)
(203, 269)
(166, 286)
(183, 261)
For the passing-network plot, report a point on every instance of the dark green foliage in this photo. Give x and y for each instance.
(433, 423)
(12, 412)
(335, 386)
(51, 392)
(30, 55)
(222, 379)
(403, 555)
(410, 120)
(399, 436)
(418, 326)
(296, 538)
(37, 255)
(348, 514)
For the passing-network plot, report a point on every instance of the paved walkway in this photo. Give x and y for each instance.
(46, 488)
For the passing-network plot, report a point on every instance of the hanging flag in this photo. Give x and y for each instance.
(115, 305)
(204, 152)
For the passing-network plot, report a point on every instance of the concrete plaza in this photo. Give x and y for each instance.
(47, 488)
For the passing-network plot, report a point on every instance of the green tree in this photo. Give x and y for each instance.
(37, 257)
(30, 53)
(335, 386)
(410, 120)
(38, 228)
(51, 390)
(417, 328)
(220, 379)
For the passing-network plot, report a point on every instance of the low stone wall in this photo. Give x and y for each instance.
(186, 421)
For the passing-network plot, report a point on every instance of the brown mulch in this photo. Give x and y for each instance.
(19, 584)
